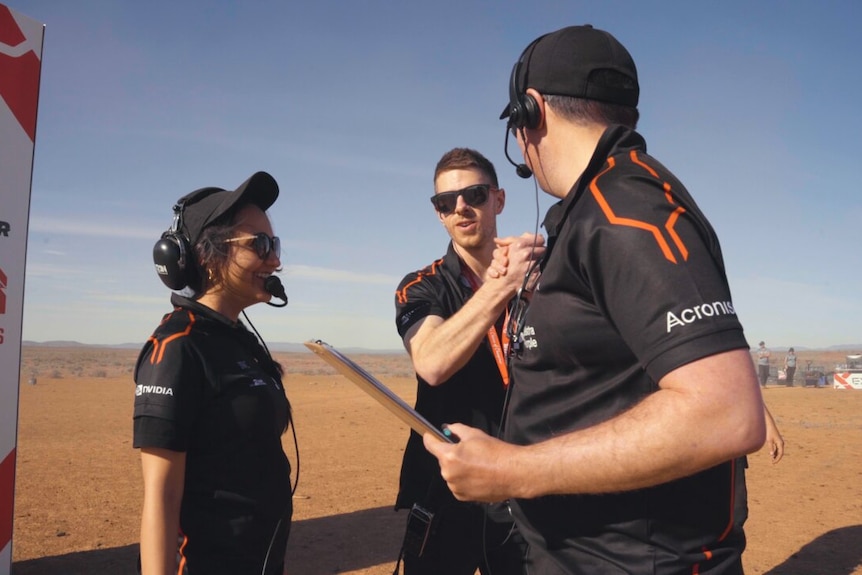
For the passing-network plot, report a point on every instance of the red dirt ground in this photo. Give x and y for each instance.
(78, 486)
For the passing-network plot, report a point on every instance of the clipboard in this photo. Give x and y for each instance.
(368, 383)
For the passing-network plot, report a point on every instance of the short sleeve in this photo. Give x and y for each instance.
(168, 392)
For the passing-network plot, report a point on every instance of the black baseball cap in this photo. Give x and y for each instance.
(573, 62)
(207, 205)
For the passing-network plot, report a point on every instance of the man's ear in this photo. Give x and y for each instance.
(540, 106)
(500, 200)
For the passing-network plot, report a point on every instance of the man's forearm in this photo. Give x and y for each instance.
(682, 429)
(449, 345)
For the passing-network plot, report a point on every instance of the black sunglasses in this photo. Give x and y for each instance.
(474, 196)
(262, 244)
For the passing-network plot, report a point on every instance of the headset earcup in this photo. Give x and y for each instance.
(516, 111)
(514, 115)
(523, 108)
(529, 109)
(170, 256)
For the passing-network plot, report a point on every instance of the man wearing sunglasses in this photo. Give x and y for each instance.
(636, 394)
(451, 318)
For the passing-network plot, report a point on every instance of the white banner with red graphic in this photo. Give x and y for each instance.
(847, 379)
(20, 71)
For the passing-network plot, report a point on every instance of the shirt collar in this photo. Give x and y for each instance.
(201, 310)
(615, 140)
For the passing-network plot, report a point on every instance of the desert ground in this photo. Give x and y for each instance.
(78, 483)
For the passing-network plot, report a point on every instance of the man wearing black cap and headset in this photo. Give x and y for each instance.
(633, 392)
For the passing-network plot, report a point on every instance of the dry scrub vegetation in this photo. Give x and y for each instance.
(49, 362)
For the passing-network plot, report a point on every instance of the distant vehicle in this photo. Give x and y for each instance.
(814, 375)
(848, 375)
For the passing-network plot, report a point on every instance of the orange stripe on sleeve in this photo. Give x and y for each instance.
(159, 347)
(401, 294)
(669, 225)
(618, 221)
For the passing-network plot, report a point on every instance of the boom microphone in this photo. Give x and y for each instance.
(274, 287)
(521, 169)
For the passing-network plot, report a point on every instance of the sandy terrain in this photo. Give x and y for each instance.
(78, 486)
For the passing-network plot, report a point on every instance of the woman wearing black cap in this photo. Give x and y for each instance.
(210, 407)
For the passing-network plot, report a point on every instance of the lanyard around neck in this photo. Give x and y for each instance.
(498, 348)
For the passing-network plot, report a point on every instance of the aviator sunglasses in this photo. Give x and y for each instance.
(474, 196)
(262, 244)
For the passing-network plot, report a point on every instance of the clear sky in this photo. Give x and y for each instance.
(349, 105)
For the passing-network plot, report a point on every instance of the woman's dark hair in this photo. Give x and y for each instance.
(213, 253)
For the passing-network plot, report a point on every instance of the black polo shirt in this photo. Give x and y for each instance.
(474, 395)
(206, 387)
(633, 286)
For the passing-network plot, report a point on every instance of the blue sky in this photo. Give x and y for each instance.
(349, 105)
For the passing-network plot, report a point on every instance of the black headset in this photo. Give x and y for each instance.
(173, 255)
(523, 108)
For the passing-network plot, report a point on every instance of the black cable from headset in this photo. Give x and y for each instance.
(523, 283)
(290, 422)
(509, 389)
(292, 426)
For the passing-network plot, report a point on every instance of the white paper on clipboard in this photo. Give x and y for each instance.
(368, 383)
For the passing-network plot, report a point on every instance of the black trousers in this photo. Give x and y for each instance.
(464, 538)
(763, 370)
